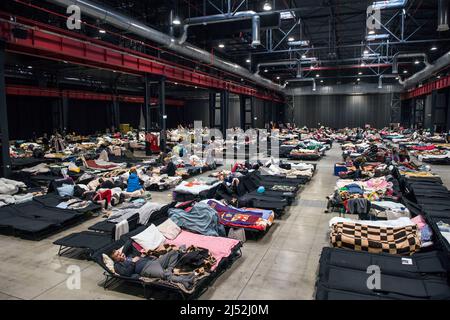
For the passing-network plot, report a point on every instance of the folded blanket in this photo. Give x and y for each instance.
(373, 239)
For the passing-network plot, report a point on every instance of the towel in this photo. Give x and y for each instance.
(121, 228)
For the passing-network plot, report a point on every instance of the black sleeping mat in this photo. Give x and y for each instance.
(34, 220)
(92, 241)
(433, 262)
(429, 287)
(53, 199)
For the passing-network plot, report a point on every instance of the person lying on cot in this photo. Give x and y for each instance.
(150, 266)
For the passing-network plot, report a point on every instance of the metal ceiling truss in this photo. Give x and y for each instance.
(52, 43)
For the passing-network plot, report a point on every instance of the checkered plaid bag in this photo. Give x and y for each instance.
(403, 240)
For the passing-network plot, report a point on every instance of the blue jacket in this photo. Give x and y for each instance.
(133, 183)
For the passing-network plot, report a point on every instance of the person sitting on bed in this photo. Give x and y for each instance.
(150, 266)
(133, 181)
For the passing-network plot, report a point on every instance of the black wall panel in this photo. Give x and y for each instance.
(339, 111)
(27, 115)
(88, 117)
(130, 113)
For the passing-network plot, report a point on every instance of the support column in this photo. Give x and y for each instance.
(5, 160)
(147, 115)
(162, 113)
(147, 102)
(116, 114)
(64, 114)
(252, 112)
(224, 104)
(242, 102)
(212, 109)
(432, 125)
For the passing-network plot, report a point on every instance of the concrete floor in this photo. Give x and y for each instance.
(281, 265)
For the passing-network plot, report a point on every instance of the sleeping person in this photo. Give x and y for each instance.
(150, 266)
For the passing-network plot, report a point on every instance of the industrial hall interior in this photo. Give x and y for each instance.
(224, 150)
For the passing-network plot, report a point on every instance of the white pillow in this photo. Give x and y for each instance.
(109, 263)
(169, 229)
(149, 239)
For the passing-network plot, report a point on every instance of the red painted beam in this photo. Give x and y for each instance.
(59, 46)
(427, 88)
(30, 91)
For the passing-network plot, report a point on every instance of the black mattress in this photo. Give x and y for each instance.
(33, 219)
(421, 276)
(89, 240)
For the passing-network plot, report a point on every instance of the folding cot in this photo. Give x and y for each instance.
(421, 276)
(168, 289)
(33, 220)
(103, 233)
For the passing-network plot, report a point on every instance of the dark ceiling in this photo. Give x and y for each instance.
(336, 31)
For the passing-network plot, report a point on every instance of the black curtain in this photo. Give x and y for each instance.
(28, 115)
(88, 117)
(130, 113)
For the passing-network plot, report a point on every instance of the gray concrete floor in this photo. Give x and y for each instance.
(281, 265)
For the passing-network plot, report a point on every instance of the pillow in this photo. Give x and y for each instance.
(66, 190)
(109, 263)
(169, 229)
(149, 239)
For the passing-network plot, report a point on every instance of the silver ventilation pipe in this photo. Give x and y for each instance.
(284, 63)
(391, 4)
(398, 56)
(427, 72)
(131, 25)
(442, 15)
(313, 80)
(221, 18)
(380, 79)
(256, 31)
(274, 64)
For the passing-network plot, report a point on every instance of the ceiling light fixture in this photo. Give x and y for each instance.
(416, 62)
(278, 78)
(317, 75)
(366, 51)
(360, 73)
(248, 61)
(265, 70)
(358, 79)
(405, 71)
(321, 81)
(267, 6)
(433, 48)
(373, 37)
(371, 32)
(102, 31)
(290, 39)
(221, 45)
(176, 21)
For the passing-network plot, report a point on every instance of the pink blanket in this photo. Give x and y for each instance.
(219, 247)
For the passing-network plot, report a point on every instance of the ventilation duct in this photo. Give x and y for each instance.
(380, 79)
(398, 56)
(442, 15)
(275, 63)
(427, 72)
(256, 31)
(313, 80)
(131, 25)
